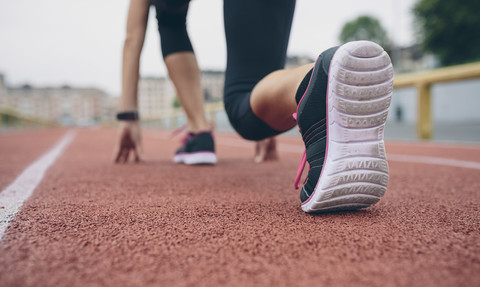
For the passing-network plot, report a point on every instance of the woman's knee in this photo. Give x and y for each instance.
(245, 122)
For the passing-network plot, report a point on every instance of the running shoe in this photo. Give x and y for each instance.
(342, 107)
(197, 148)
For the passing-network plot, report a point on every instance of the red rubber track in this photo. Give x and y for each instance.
(93, 223)
(20, 149)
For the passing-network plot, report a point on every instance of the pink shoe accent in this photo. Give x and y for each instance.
(328, 134)
(178, 130)
(301, 167)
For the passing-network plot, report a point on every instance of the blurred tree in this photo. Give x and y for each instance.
(176, 103)
(449, 29)
(365, 28)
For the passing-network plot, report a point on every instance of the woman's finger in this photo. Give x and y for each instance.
(125, 155)
(116, 153)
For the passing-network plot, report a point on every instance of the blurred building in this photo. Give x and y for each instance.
(157, 95)
(412, 59)
(212, 84)
(111, 109)
(3, 89)
(65, 105)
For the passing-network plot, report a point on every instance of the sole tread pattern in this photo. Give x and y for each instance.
(361, 93)
(354, 122)
(355, 172)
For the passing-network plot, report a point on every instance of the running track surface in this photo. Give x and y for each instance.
(93, 223)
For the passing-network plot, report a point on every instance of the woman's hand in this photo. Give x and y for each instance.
(129, 140)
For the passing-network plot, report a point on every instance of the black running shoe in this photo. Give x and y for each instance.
(342, 108)
(197, 148)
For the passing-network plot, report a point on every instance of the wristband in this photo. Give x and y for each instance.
(127, 116)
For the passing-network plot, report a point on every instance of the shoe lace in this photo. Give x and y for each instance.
(301, 167)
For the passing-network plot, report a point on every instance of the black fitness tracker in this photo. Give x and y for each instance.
(127, 116)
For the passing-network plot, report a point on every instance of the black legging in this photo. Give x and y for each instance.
(172, 25)
(257, 33)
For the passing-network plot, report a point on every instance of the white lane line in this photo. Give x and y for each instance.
(433, 160)
(390, 157)
(13, 197)
(440, 145)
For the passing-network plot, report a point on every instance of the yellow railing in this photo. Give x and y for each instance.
(423, 81)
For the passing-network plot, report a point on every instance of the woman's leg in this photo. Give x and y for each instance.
(181, 61)
(273, 98)
(259, 96)
(185, 74)
(199, 147)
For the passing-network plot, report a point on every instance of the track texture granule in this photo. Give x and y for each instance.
(93, 223)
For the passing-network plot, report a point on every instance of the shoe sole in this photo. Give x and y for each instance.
(196, 158)
(355, 171)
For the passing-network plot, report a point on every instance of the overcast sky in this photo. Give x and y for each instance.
(56, 42)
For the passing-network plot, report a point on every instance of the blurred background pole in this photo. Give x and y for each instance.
(424, 112)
